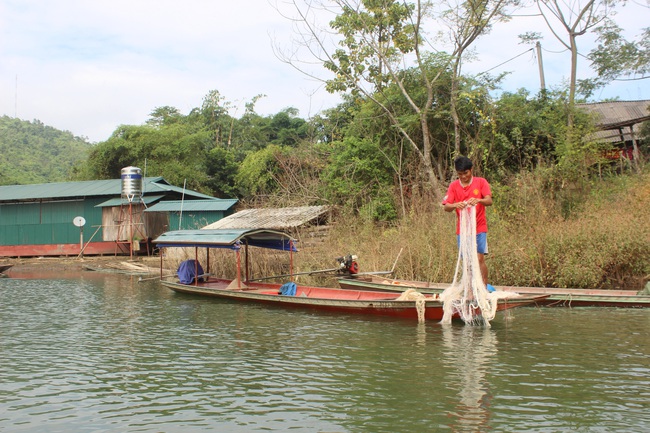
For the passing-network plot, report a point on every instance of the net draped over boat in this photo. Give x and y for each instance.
(420, 301)
(468, 295)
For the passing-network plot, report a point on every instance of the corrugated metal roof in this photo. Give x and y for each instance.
(614, 114)
(90, 188)
(119, 201)
(215, 204)
(167, 187)
(276, 218)
(618, 121)
(226, 238)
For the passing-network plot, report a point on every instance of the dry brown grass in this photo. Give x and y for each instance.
(604, 243)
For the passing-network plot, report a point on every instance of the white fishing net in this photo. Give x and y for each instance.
(468, 297)
(420, 301)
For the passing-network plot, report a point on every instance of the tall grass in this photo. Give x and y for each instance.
(604, 242)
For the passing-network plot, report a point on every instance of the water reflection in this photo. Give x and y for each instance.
(469, 353)
(109, 354)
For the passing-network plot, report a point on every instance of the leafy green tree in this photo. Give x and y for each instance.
(107, 159)
(375, 39)
(286, 129)
(162, 116)
(526, 129)
(616, 57)
(466, 21)
(331, 124)
(213, 116)
(569, 21)
(221, 169)
(360, 177)
(258, 172)
(176, 151)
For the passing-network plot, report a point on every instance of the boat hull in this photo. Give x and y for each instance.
(365, 302)
(555, 297)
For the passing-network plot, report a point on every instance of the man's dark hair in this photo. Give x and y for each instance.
(463, 163)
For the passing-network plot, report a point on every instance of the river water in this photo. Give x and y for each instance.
(106, 353)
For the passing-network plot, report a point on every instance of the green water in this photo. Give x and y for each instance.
(104, 353)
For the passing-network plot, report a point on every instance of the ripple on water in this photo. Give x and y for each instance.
(108, 354)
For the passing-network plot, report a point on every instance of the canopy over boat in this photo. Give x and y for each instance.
(227, 238)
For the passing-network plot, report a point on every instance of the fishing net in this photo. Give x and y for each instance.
(467, 296)
(420, 301)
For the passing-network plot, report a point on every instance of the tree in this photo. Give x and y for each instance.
(221, 168)
(616, 57)
(370, 44)
(176, 151)
(526, 130)
(466, 21)
(359, 177)
(259, 172)
(567, 22)
(164, 116)
(375, 39)
(286, 128)
(214, 116)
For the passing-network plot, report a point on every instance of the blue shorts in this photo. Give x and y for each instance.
(481, 243)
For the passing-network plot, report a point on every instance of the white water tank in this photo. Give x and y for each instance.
(131, 183)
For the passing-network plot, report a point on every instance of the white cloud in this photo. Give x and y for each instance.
(89, 66)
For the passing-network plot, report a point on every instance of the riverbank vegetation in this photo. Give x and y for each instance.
(569, 209)
(602, 243)
(564, 214)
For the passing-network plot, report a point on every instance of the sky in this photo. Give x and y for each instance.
(88, 66)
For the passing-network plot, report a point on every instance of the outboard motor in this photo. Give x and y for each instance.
(348, 264)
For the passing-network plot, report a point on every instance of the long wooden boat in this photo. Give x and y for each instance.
(362, 301)
(331, 299)
(5, 267)
(554, 297)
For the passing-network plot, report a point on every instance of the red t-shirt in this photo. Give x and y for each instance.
(478, 188)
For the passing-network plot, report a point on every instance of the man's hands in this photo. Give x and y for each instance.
(485, 201)
(471, 202)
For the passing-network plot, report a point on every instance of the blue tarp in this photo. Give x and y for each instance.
(288, 289)
(187, 271)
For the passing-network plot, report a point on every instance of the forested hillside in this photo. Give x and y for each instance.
(35, 153)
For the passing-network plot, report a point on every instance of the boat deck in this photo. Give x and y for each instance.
(301, 291)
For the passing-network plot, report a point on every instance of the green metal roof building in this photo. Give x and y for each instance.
(37, 220)
(193, 214)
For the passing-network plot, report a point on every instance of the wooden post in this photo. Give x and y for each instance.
(542, 82)
(81, 241)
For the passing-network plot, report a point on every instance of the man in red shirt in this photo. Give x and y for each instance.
(469, 190)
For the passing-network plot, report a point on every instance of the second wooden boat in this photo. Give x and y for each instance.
(554, 297)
